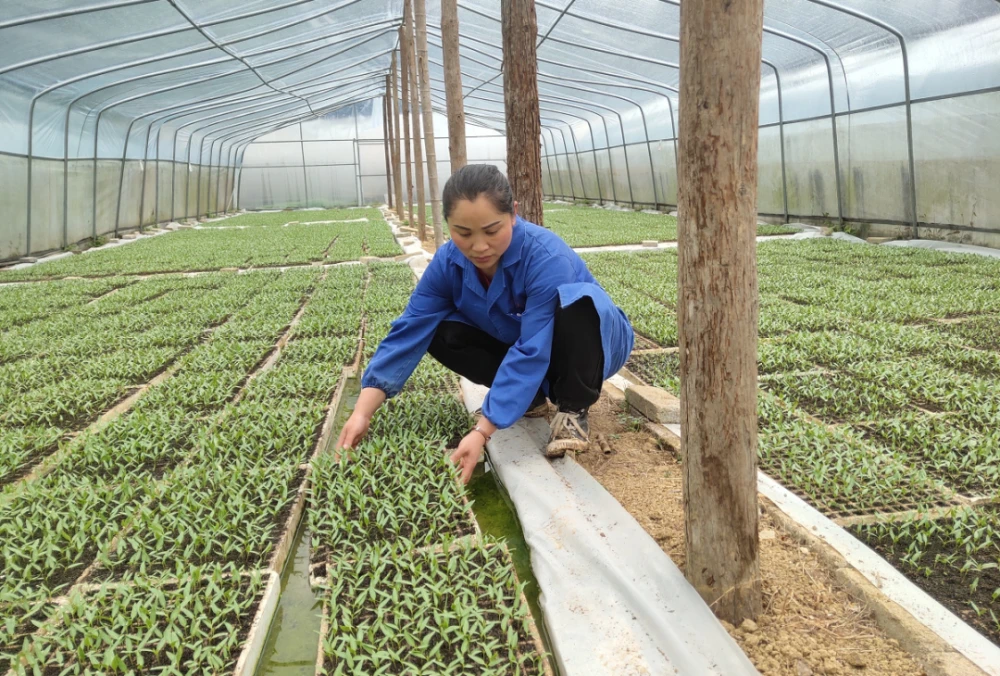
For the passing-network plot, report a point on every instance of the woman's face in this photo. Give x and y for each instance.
(481, 232)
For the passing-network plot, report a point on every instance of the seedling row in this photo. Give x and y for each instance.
(879, 373)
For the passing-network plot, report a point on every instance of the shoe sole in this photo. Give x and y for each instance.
(558, 448)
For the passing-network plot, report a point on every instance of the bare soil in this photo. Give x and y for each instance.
(809, 625)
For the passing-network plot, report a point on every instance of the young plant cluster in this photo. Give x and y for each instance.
(378, 511)
(955, 558)
(456, 609)
(148, 627)
(584, 226)
(203, 470)
(218, 248)
(280, 218)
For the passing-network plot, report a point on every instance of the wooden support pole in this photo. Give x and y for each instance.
(394, 109)
(424, 77)
(453, 84)
(520, 98)
(418, 152)
(720, 53)
(404, 70)
(386, 142)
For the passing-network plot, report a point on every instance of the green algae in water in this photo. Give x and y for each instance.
(496, 516)
(293, 638)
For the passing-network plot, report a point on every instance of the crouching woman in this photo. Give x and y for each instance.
(506, 304)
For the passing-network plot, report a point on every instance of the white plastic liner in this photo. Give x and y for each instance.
(614, 602)
(946, 247)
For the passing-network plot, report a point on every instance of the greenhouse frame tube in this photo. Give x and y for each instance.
(620, 122)
(108, 107)
(255, 125)
(282, 123)
(479, 118)
(240, 97)
(570, 101)
(278, 116)
(906, 93)
(274, 103)
(34, 18)
(172, 31)
(604, 73)
(554, 99)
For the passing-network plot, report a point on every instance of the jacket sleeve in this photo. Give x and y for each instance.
(402, 349)
(523, 369)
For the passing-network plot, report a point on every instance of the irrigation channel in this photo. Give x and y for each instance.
(292, 640)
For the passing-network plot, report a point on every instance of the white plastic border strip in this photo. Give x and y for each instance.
(614, 602)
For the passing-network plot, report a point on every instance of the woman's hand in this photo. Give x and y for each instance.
(356, 427)
(466, 456)
(354, 430)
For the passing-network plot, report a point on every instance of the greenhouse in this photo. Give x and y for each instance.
(215, 213)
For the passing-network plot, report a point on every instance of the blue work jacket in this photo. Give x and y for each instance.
(536, 273)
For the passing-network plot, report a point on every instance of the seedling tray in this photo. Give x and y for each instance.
(529, 642)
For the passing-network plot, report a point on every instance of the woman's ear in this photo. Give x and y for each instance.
(515, 209)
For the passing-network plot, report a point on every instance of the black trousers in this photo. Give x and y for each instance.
(576, 365)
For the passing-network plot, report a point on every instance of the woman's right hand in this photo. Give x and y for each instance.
(354, 430)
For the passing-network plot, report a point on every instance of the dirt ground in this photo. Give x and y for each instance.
(809, 625)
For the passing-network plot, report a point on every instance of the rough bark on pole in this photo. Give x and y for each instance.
(405, 100)
(424, 77)
(385, 144)
(718, 307)
(520, 98)
(453, 84)
(418, 153)
(394, 110)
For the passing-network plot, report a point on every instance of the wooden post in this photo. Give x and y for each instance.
(424, 77)
(387, 141)
(404, 70)
(393, 108)
(418, 151)
(717, 313)
(520, 99)
(453, 84)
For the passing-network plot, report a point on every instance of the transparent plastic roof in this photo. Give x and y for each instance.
(179, 78)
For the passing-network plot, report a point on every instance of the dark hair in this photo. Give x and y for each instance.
(473, 180)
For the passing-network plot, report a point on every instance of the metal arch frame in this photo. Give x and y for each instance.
(108, 106)
(491, 115)
(241, 99)
(120, 82)
(673, 126)
(216, 44)
(211, 156)
(562, 13)
(187, 185)
(603, 121)
(162, 121)
(268, 99)
(906, 92)
(591, 103)
(777, 33)
(34, 18)
(174, 31)
(833, 109)
(593, 143)
(271, 123)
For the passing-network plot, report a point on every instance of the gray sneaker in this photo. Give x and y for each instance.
(570, 432)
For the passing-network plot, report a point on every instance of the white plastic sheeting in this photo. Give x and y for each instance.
(613, 601)
(103, 97)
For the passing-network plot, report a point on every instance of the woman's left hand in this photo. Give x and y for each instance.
(466, 456)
